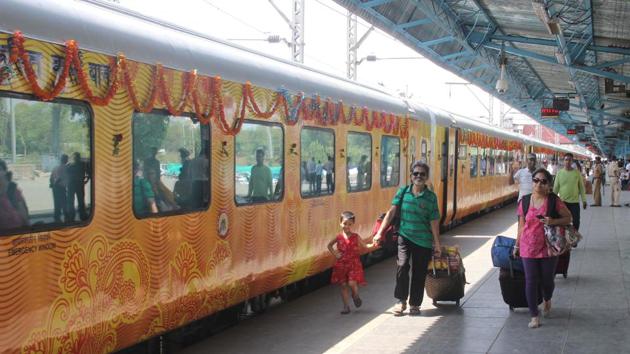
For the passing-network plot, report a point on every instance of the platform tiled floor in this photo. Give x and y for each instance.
(591, 311)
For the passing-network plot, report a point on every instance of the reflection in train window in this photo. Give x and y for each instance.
(423, 151)
(358, 162)
(483, 165)
(390, 161)
(171, 166)
(463, 152)
(45, 164)
(317, 168)
(473, 161)
(259, 162)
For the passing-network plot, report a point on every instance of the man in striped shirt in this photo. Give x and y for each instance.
(419, 231)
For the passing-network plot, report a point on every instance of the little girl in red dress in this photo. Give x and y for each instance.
(348, 270)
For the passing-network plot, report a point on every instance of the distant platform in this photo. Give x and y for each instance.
(591, 308)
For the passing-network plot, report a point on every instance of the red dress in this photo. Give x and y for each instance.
(348, 267)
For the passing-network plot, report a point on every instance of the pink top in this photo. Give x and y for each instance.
(532, 243)
(9, 216)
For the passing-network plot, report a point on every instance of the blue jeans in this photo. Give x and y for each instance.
(539, 272)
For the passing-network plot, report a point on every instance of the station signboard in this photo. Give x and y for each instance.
(549, 113)
(561, 104)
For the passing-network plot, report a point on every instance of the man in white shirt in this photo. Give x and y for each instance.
(524, 177)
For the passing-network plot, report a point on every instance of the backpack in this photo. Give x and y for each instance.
(551, 205)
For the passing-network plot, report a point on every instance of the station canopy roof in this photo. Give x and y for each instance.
(575, 49)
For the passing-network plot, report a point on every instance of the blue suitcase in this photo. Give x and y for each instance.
(502, 254)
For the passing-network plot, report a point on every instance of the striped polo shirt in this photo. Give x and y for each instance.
(416, 215)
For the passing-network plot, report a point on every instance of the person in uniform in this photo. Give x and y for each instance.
(598, 172)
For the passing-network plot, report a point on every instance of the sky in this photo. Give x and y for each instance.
(249, 22)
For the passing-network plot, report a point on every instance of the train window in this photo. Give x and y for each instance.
(45, 164)
(444, 158)
(412, 148)
(259, 162)
(473, 161)
(317, 169)
(483, 166)
(358, 162)
(423, 151)
(171, 167)
(498, 166)
(491, 161)
(463, 152)
(390, 161)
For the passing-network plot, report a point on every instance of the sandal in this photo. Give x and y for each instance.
(546, 309)
(534, 323)
(346, 310)
(414, 311)
(357, 301)
(400, 309)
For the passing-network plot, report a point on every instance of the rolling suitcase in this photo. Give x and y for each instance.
(446, 285)
(513, 288)
(563, 264)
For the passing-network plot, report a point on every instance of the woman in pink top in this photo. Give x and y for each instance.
(13, 211)
(539, 267)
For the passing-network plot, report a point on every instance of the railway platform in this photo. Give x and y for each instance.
(591, 308)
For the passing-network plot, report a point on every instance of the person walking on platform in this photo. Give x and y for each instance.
(419, 231)
(569, 186)
(347, 271)
(614, 174)
(540, 268)
(523, 177)
(598, 174)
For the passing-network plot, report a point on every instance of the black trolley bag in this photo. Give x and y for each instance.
(513, 288)
(563, 263)
(444, 285)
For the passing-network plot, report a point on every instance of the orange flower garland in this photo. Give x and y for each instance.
(206, 106)
(18, 52)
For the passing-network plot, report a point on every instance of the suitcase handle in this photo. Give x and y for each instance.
(448, 265)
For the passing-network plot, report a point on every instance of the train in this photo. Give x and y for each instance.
(168, 176)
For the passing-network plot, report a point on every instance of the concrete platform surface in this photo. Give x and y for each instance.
(591, 308)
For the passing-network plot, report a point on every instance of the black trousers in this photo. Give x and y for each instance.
(418, 257)
(59, 199)
(574, 208)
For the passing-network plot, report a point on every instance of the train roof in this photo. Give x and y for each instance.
(108, 29)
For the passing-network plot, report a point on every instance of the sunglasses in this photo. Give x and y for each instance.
(419, 174)
(539, 180)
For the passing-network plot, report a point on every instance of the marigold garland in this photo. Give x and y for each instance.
(204, 93)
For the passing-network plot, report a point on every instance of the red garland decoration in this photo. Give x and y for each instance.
(114, 69)
(18, 52)
(131, 91)
(277, 102)
(188, 82)
(213, 107)
(205, 113)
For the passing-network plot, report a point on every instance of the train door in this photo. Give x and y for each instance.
(448, 174)
(412, 156)
(464, 190)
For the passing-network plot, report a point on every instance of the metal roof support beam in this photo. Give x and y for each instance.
(479, 38)
(612, 63)
(475, 68)
(452, 56)
(553, 60)
(374, 3)
(415, 23)
(438, 41)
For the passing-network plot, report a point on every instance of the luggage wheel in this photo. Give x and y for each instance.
(457, 303)
(564, 275)
(511, 308)
(435, 303)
